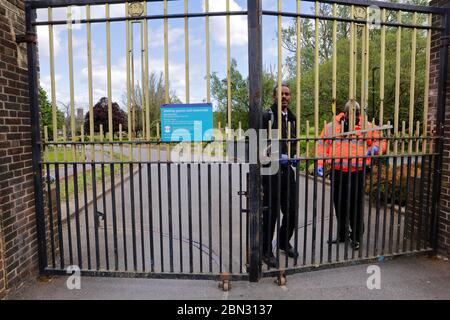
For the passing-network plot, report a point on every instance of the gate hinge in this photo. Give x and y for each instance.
(29, 37)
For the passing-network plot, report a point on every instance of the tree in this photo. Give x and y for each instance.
(239, 96)
(307, 38)
(65, 107)
(156, 94)
(47, 114)
(100, 112)
(342, 84)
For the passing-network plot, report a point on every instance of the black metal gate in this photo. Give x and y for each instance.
(133, 205)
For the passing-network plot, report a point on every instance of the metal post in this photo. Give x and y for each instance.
(373, 90)
(441, 99)
(255, 119)
(30, 16)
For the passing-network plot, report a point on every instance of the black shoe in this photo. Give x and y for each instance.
(291, 253)
(355, 245)
(335, 241)
(270, 260)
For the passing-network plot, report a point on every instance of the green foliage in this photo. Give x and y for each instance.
(47, 115)
(239, 86)
(156, 94)
(385, 186)
(101, 117)
(239, 97)
(342, 83)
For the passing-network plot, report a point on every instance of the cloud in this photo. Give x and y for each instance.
(175, 37)
(100, 82)
(119, 80)
(45, 83)
(44, 42)
(238, 24)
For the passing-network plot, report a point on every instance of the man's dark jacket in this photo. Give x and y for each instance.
(272, 115)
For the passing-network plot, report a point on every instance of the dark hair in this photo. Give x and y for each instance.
(283, 84)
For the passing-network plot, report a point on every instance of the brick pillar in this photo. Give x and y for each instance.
(18, 243)
(444, 209)
(2, 268)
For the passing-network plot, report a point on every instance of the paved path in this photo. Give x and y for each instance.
(402, 278)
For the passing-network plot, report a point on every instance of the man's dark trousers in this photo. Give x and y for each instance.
(348, 198)
(279, 194)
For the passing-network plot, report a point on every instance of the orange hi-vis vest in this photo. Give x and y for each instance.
(346, 147)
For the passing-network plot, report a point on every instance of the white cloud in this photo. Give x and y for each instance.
(99, 11)
(45, 83)
(44, 42)
(175, 37)
(238, 24)
(119, 80)
(58, 44)
(100, 81)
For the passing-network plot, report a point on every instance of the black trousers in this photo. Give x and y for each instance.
(279, 195)
(348, 197)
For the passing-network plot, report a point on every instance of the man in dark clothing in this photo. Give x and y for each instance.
(280, 188)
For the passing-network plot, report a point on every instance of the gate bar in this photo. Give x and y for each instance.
(255, 120)
(228, 31)
(382, 67)
(427, 84)
(166, 54)
(30, 16)
(397, 82)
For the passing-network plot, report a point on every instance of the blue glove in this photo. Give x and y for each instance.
(284, 160)
(294, 161)
(319, 171)
(375, 151)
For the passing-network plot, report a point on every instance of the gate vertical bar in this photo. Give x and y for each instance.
(30, 16)
(441, 99)
(255, 118)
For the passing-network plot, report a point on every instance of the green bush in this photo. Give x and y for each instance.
(386, 182)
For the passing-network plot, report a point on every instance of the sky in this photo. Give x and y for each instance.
(197, 48)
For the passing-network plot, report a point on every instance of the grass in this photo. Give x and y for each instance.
(81, 177)
(88, 177)
(58, 154)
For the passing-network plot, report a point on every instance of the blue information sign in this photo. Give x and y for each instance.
(186, 122)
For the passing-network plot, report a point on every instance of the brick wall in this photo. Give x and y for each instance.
(2, 268)
(444, 213)
(18, 245)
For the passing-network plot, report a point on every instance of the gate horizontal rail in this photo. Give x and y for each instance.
(43, 4)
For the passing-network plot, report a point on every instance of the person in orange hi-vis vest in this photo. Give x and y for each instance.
(348, 161)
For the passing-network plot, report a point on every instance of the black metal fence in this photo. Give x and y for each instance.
(153, 217)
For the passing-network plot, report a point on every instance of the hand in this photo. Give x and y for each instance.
(284, 160)
(294, 161)
(319, 171)
(375, 151)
